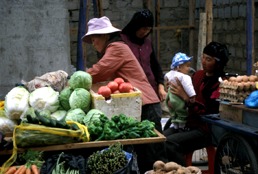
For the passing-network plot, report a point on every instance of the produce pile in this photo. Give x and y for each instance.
(108, 161)
(236, 89)
(44, 112)
(118, 85)
(118, 127)
(159, 167)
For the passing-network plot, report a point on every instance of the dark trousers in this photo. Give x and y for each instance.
(147, 154)
(178, 144)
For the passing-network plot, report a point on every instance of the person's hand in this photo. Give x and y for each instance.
(177, 89)
(162, 92)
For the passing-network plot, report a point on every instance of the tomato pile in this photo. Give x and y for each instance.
(118, 85)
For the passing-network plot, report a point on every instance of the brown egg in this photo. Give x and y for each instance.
(246, 86)
(240, 86)
(245, 78)
(239, 79)
(252, 78)
(232, 79)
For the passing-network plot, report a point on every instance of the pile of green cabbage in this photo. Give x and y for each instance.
(72, 102)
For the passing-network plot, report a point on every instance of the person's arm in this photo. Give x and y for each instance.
(105, 68)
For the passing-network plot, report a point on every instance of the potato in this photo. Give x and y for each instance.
(170, 166)
(159, 165)
(193, 169)
(183, 170)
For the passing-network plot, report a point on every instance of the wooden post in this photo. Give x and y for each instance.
(147, 4)
(250, 37)
(201, 39)
(191, 23)
(208, 10)
(157, 12)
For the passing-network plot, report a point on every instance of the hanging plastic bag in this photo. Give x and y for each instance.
(252, 100)
(33, 135)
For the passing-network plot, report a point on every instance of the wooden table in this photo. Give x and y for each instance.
(91, 144)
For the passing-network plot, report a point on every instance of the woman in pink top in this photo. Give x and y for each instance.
(117, 60)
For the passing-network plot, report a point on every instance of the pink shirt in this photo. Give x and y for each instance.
(119, 61)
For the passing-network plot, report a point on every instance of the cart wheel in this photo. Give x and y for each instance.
(235, 155)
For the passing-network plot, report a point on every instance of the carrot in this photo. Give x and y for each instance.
(28, 171)
(11, 170)
(34, 169)
(21, 170)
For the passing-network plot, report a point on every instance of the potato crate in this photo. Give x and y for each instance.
(129, 104)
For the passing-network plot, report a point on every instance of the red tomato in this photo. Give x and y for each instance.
(119, 80)
(116, 92)
(125, 87)
(105, 91)
(113, 86)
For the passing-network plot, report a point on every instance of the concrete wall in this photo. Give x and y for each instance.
(34, 39)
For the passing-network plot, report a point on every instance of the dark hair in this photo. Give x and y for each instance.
(220, 53)
(142, 18)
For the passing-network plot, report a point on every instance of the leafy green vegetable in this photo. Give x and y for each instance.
(44, 98)
(64, 97)
(80, 79)
(32, 157)
(120, 127)
(16, 103)
(75, 115)
(91, 116)
(59, 115)
(80, 98)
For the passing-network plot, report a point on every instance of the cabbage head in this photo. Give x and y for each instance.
(44, 98)
(80, 98)
(16, 103)
(64, 98)
(75, 115)
(59, 115)
(80, 79)
(91, 116)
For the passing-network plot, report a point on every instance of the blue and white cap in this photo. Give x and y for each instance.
(179, 59)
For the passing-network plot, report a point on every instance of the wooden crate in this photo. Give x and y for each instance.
(227, 111)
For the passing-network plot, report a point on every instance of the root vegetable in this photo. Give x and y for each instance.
(193, 169)
(28, 171)
(11, 170)
(183, 170)
(159, 165)
(21, 170)
(170, 166)
(34, 169)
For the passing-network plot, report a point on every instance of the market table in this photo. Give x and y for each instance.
(92, 144)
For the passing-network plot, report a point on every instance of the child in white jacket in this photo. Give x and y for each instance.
(180, 67)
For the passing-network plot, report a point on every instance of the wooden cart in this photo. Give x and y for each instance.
(235, 133)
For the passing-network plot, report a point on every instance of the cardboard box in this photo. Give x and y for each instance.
(230, 113)
(129, 104)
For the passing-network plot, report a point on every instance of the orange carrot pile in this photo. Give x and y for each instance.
(23, 169)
